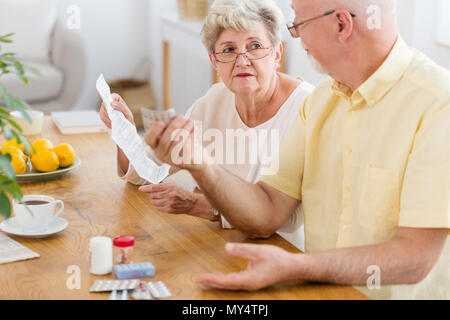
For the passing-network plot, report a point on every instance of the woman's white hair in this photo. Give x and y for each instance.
(242, 15)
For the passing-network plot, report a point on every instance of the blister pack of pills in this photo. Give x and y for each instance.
(149, 117)
(111, 285)
(159, 290)
(141, 292)
(118, 295)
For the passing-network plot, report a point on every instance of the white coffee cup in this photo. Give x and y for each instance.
(42, 212)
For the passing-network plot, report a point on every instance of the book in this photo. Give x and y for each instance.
(78, 122)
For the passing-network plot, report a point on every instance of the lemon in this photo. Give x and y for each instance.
(65, 153)
(13, 143)
(13, 150)
(45, 161)
(40, 145)
(19, 165)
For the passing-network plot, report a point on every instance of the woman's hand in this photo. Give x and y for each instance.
(167, 197)
(117, 104)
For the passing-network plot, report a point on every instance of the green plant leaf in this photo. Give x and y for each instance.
(21, 139)
(20, 71)
(14, 124)
(6, 116)
(8, 133)
(5, 162)
(33, 70)
(9, 127)
(4, 113)
(14, 189)
(24, 79)
(7, 156)
(6, 36)
(23, 107)
(8, 99)
(4, 180)
(14, 103)
(22, 103)
(10, 59)
(11, 186)
(5, 206)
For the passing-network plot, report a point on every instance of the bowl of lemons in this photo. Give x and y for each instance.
(43, 162)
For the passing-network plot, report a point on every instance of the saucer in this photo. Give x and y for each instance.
(56, 225)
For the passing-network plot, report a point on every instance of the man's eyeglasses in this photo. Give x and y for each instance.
(253, 54)
(293, 27)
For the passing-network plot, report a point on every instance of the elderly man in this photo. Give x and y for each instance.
(368, 157)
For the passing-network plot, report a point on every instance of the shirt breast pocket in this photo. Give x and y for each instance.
(380, 199)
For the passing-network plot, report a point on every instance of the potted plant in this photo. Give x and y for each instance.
(9, 128)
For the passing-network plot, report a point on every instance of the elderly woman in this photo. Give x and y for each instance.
(243, 38)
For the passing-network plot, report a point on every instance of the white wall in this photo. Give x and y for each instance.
(116, 37)
(120, 33)
(156, 9)
(418, 19)
(297, 62)
(416, 22)
(191, 76)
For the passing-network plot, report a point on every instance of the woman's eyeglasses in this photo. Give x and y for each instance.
(253, 54)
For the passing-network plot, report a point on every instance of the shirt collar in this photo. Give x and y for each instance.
(384, 79)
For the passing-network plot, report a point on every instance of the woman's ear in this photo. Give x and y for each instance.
(279, 51)
(213, 61)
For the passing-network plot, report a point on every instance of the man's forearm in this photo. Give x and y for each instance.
(246, 206)
(396, 262)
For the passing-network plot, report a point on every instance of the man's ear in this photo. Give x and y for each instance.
(213, 61)
(345, 24)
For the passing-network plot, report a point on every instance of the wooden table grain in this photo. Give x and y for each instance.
(98, 203)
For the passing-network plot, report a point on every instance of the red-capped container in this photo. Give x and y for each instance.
(123, 249)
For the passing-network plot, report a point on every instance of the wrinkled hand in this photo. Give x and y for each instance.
(117, 104)
(175, 144)
(167, 197)
(268, 265)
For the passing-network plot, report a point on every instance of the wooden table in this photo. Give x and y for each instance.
(98, 203)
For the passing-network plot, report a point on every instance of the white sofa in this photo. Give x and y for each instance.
(45, 43)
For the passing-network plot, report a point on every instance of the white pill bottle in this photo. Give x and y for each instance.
(100, 255)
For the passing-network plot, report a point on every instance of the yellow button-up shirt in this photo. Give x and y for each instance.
(367, 162)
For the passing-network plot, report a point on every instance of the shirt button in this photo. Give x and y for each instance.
(372, 102)
(345, 228)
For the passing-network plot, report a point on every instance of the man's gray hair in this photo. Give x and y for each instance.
(242, 15)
